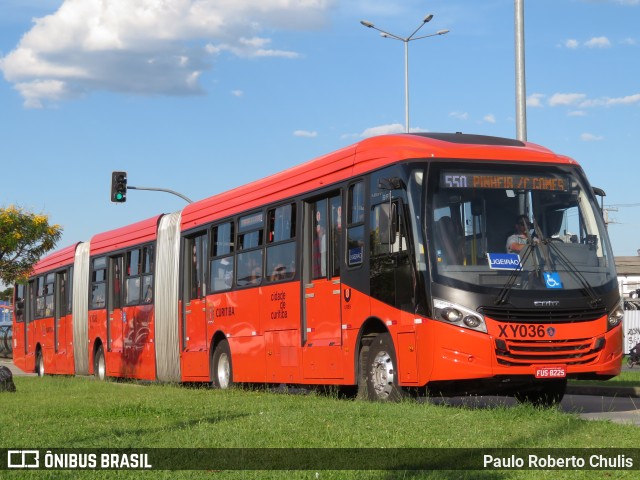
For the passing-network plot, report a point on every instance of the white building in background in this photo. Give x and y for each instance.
(629, 282)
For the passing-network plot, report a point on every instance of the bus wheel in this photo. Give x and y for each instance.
(221, 371)
(547, 394)
(100, 364)
(40, 364)
(382, 370)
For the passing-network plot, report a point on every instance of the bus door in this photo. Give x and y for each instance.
(21, 305)
(321, 322)
(60, 322)
(194, 326)
(116, 317)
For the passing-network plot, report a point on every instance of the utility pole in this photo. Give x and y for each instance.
(521, 90)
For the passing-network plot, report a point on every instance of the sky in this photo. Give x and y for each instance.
(200, 96)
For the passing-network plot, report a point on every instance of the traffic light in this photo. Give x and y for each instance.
(119, 187)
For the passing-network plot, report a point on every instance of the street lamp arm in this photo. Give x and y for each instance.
(424, 22)
(391, 36)
(439, 32)
(382, 32)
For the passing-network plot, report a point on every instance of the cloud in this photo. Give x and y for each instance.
(612, 102)
(459, 115)
(490, 118)
(237, 93)
(598, 42)
(305, 134)
(629, 41)
(589, 137)
(566, 99)
(571, 44)
(383, 130)
(250, 48)
(578, 102)
(151, 47)
(535, 100)
(33, 92)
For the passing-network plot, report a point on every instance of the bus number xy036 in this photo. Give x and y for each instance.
(523, 331)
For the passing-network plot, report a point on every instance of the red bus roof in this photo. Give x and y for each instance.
(362, 157)
(57, 259)
(137, 233)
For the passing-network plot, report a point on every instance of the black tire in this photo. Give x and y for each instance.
(100, 365)
(546, 393)
(39, 363)
(221, 370)
(381, 371)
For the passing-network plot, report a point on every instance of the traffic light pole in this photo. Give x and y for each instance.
(162, 190)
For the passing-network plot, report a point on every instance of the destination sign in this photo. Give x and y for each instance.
(506, 181)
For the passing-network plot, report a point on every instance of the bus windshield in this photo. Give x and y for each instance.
(517, 227)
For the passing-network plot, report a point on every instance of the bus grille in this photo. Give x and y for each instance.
(536, 315)
(520, 353)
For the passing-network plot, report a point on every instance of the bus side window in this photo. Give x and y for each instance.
(281, 245)
(19, 302)
(250, 246)
(98, 282)
(355, 225)
(221, 265)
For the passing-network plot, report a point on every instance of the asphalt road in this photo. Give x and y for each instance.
(609, 403)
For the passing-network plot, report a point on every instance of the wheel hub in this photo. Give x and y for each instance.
(382, 375)
(224, 371)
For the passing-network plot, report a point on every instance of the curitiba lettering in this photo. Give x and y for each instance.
(279, 301)
(225, 312)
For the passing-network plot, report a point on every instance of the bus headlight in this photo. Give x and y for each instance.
(458, 315)
(615, 317)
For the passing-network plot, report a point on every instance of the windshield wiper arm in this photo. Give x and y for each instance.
(508, 285)
(595, 300)
(549, 245)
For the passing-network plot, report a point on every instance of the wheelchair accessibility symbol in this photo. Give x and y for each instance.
(552, 280)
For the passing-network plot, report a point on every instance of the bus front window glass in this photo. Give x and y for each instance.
(475, 210)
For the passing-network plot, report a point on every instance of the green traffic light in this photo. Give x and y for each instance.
(119, 196)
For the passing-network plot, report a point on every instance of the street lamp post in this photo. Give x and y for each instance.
(406, 41)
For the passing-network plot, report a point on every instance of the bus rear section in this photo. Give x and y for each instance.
(43, 320)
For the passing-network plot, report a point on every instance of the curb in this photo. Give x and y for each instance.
(603, 391)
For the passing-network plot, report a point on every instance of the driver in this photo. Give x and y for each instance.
(518, 240)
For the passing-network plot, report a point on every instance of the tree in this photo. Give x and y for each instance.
(24, 238)
(7, 294)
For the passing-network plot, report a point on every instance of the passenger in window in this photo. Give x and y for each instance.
(256, 272)
(148, 294)
(279, 273)
(227, 275)
(320, 251)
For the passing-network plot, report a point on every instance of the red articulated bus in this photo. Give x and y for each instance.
(448, 263)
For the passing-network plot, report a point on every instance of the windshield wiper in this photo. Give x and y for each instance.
(548, 243)
(508, 285)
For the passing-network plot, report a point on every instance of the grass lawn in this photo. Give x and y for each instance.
(67, 412)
